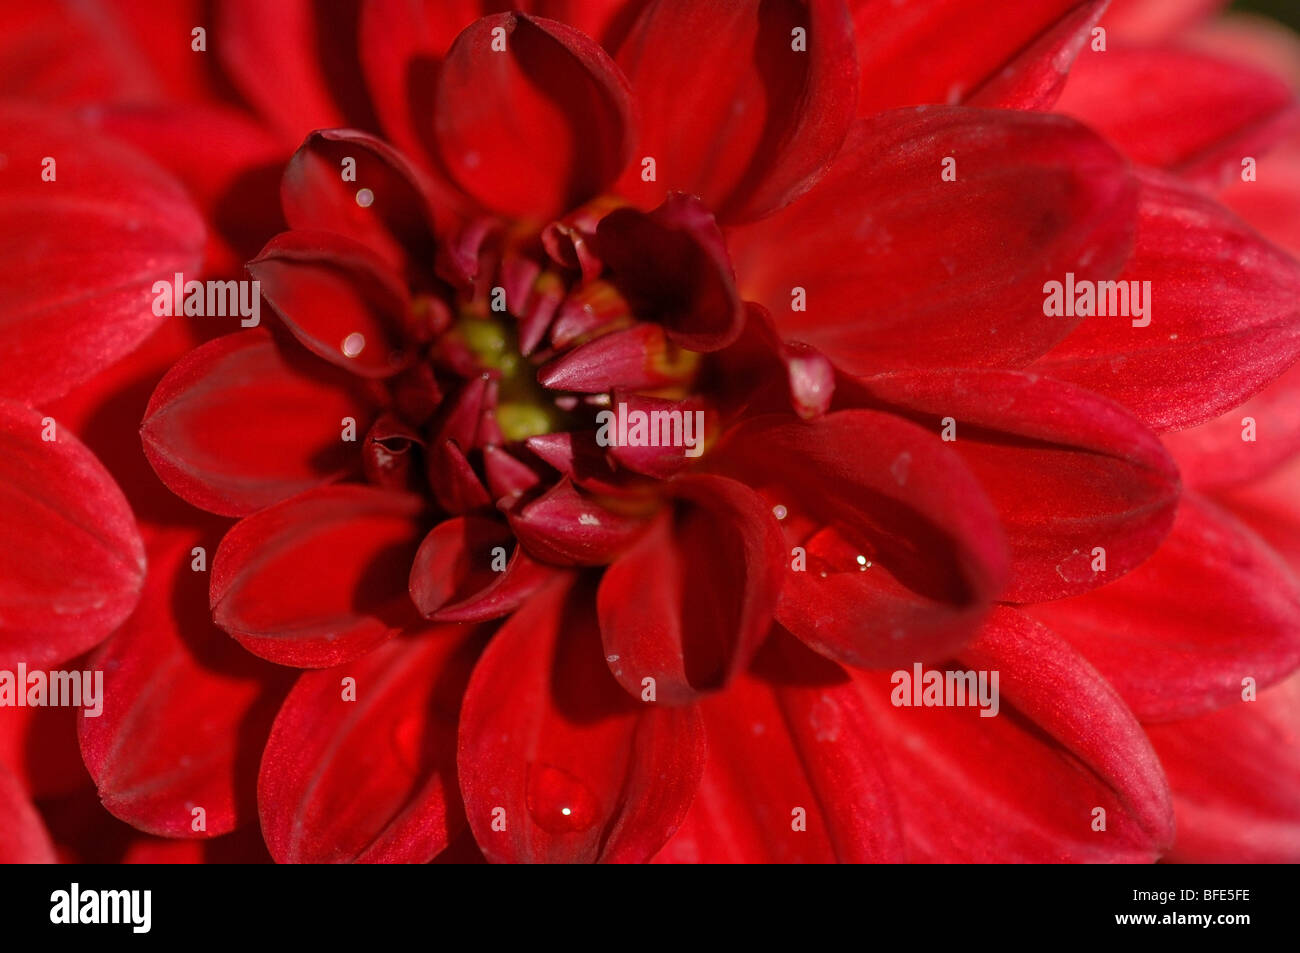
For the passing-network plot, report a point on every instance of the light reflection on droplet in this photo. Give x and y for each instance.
(780, 512)
(353, 344)
(365, 198)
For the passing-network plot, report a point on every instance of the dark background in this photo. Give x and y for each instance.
(1288, 11)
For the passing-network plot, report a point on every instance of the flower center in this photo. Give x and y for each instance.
(524, 408)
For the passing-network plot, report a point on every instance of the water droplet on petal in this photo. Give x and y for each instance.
(365, 198)
(354, 344)
(780, 512)
(559, 802)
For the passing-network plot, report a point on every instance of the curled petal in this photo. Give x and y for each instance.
(678, 437)
(461, 572)
(337, 298)
(572, 770)
(672, 267)
(360, 765)
(796, 738)
(1093, 736)
(241, 423)
(181, 703)
(744, 104)
(690, 603)
(568, 109)
(319, 579)
(637, 358)
(569, 527)
(349, 182)
(893, 551)
(1029, 783)
(1084, 491)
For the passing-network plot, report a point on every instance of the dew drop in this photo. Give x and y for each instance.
(354, 344)
(558, 802)
(780, 512)
(365, 198)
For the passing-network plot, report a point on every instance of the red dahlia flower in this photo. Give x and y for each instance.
(655, 419)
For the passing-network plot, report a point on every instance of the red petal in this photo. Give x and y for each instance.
(572, 769)
(79, 255)
(234, 178)
(454, 577)
(300, 73)
(402, 44)
(1223, 305)
(1146, 20)
(1262, 42)
(385, 203)
(1033, 189)
(68, 53)
(753, 366)
(692, 600)
(337, 298)
(389, 452)
(1074, 744)
(941, 51)
(637, 358)
(1021, 786)
(456, 485)
(370, 777)
(731, 109)
(579, 458)
(1236, 777)
(904, 554)
(568, 527)
(1180, 110)
(552, 105)
(793, 734)
(661, 462)
(1271, 507)
(1217, 453)
(23, 837)
(319, 579)
(1272, 202)
(72, 562)
(1177, 635)
(672, 266)
(240, 424)
(605, 20)
(185, 709)
(1036, 76)
(1066, 470)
